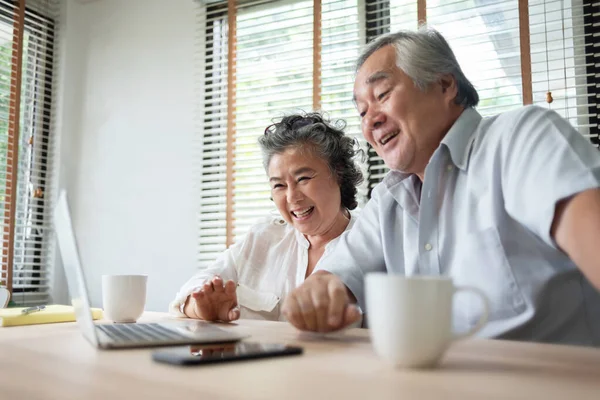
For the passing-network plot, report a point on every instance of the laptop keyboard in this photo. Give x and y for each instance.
(136, 333)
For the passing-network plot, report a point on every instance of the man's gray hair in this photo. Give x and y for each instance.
(424, 55)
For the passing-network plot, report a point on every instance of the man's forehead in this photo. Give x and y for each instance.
(383, 58)
(362, 81)
(377, 76)
(380, 65)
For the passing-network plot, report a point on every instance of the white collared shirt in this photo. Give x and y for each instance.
(483, 216)
(267, 264)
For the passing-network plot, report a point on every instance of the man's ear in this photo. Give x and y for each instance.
(448, 85)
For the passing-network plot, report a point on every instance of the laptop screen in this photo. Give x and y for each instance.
(72, 265)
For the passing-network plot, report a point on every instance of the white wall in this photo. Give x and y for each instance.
(126, 106)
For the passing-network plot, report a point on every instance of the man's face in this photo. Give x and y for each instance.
(403, 123)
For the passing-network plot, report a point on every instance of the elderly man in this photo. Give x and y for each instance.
(510, 204)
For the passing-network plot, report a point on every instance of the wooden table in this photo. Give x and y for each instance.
(55, 362)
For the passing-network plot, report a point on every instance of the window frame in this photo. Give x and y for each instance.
(372, 27)
(24, 243)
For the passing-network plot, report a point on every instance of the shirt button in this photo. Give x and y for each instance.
(449, 167)
(428, 247)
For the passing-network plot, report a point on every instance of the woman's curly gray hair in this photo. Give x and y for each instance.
(315, 132)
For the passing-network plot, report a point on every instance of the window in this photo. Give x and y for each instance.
(265, 58)
(26, 68)
(562, 60)
(263, 82)
(268, 81)
(511, 63)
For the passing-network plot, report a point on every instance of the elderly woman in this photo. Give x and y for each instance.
(313, 179)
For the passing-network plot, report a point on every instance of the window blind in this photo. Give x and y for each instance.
(485, 36)
(384, 16)
(27, 59)
(564, 60)
(274, 74)
(211, 151)
(343, 35)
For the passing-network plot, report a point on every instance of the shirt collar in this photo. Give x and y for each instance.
(459, 138)
(303, 241)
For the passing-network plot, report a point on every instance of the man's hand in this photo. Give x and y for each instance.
(214, 302)
(321, 304)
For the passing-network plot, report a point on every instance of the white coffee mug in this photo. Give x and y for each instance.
(4, 297)
(123, 297)
(410, 318)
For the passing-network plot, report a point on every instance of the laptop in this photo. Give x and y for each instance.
(113, 336)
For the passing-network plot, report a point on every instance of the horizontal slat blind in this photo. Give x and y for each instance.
(8, 141)
(484, 36)
(403, 14)
(563, 61)
(385, 16)
(274, 76)
(33, 235)
(212, 41)
(342, 38)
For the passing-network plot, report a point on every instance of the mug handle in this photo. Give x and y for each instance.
(484, 316)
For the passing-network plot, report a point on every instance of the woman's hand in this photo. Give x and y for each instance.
(215, 301)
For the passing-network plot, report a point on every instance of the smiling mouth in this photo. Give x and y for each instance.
(301, 214)
(388, 137)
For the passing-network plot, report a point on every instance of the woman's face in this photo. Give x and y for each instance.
(304, 190)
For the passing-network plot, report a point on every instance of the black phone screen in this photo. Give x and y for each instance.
(206, 354)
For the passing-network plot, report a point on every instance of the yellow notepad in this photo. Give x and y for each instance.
(50, 314)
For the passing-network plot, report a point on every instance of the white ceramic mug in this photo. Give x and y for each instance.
(123, 297)
(4, 297)
(410, 318)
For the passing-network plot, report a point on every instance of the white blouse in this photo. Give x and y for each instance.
(267, 264)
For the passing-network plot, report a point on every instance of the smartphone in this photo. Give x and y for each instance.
(208, 354)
